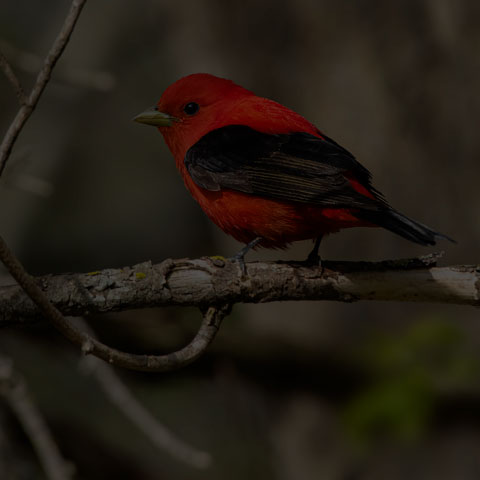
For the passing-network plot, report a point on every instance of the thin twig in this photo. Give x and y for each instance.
(212, 319)
(42, 79)
(13, 79)
(15, 391)
(162, 437)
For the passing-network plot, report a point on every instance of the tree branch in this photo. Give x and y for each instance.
(212, 319)
(41, 82)
(208, 281)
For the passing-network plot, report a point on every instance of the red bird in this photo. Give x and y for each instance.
(263, 173)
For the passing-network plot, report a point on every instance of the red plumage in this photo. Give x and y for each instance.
(240, 187)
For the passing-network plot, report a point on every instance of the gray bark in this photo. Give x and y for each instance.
(213, 281)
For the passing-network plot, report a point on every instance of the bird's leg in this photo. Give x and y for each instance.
(240, 256)
(313, 257)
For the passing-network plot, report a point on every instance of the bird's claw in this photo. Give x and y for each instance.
(240, 259)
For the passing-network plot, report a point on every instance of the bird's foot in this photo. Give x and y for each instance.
(240, 256)
(313, 260)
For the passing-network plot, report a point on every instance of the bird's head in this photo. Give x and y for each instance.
(191, 107)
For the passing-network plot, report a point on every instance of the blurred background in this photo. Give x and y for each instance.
(287, 391)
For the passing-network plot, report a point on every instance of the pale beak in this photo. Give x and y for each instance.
(153, 117)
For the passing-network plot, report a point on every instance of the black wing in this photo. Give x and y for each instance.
(295, 167)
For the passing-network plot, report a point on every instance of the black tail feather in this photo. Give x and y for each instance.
(401, 225)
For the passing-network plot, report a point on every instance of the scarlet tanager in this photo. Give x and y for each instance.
(263, 173)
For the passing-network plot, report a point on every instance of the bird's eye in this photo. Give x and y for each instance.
(191, 108)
